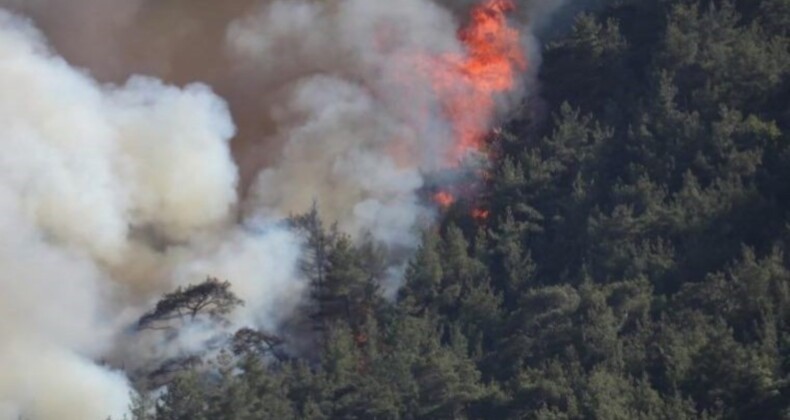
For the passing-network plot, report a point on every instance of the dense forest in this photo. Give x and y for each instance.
(632, 263)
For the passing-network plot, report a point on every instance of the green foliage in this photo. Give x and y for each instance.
(633, 265)
(211, 298)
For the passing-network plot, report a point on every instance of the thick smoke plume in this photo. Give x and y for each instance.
(155, 143)
(109, 196)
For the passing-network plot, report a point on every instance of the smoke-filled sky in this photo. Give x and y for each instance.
(151, 143)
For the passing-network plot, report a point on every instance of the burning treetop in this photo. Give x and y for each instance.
(467, 85)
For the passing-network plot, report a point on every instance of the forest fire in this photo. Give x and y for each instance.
(444, 199)
(480, 214)
(327, 137)
(467, 85)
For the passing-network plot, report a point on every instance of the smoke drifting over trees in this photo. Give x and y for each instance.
(152, 143)
(419, 209)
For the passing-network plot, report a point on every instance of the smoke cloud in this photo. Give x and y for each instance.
(109, 196)
(155, 143)
(341, 116)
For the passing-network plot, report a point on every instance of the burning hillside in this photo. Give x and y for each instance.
(122, 189)
(467, 84)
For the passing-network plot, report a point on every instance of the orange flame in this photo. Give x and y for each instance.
(480, 214)
(467, 85)
(444, 199)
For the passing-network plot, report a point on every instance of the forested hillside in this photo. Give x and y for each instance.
(627, 259)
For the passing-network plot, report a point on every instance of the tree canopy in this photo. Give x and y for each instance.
(633, 264)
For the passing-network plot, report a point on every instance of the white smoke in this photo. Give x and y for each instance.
(335, 155)
(348, 100)
(110, 196)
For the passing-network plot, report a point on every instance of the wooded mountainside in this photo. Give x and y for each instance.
(633, 263)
